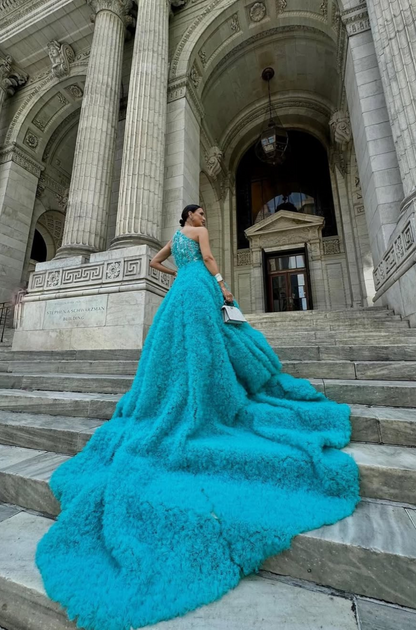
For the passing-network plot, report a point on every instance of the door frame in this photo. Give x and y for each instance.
(285, 252)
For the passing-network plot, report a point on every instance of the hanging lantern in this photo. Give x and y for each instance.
(272, 144)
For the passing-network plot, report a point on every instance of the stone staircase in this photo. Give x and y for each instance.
(51, 403)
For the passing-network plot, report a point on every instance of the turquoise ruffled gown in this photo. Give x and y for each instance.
(211, 463)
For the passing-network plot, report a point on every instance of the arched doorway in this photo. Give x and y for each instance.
(301, 184)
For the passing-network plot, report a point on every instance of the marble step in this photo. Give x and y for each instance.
(346, 352)
(310, 338)
(59, 403)
(60, 434)
(383, 425)
(362, 370)
(66, 355)
(94, 396)
(347, 325)
(387, 472)
(69, 434)
(379, 370)
(22, 361)
(359, 392)
(369, 392)
(373, 311)
(372, 554)
(259, 601)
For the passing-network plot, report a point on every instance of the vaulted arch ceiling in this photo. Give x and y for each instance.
(224, 50)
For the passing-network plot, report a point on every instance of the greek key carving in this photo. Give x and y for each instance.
(84, 275)
(403, 245)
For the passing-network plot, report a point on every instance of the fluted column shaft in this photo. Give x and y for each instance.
(393, 23)
(139, 217)
(89, 193)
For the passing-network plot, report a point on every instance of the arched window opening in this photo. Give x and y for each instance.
(301, 184)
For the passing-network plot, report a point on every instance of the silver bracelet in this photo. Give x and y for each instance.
(218, 277)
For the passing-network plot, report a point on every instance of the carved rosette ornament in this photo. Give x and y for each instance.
(61, 56)
(121, 8)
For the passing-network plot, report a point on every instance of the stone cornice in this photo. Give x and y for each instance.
(21, 11)
(16, 154)
(356, 20)
(183, 87)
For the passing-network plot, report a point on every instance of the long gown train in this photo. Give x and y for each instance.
(211, 463)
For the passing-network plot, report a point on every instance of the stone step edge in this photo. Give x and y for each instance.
(381, 477)
(314, 556)
(395, 426)
(350, 369)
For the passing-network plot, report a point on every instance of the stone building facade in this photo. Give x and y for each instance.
(115, 114)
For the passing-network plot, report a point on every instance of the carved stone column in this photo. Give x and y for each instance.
(10, 79)
(89, 194)
(393, 23)
(139, 218)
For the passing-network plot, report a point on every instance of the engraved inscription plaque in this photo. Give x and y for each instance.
(84, 312)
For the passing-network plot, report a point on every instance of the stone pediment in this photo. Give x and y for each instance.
(283, 221)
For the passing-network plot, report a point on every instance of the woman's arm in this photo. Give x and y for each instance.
(209, 260)
(162, 255)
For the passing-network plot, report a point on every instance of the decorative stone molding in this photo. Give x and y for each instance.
(121, 270)
(187, 36)
(195, 76)
(341, 128)
(61, 56)
(184, 87)
(279, 102)
(19, 156)
(243, 257)
(31, 139)
(331, 245)
(213, 160)
(356, 20)
(281, 5)
(357, 193)
(234, 23)
(203, 57)
(10, 77)
(402, 248)
(257, 12)
(75, 91)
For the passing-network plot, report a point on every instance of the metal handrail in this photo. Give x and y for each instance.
(5, 314)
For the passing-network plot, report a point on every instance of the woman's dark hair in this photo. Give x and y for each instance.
(185, 213)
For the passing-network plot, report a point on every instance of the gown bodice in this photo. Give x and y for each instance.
(185, 249)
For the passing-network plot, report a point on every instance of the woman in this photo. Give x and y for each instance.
(212, 462)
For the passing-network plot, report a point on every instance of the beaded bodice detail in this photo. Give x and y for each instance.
(184, 249)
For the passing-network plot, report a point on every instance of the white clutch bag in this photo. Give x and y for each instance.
(232, 315)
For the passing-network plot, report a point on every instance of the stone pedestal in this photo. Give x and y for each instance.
(107, 302)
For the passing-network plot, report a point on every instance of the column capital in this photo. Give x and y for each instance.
(10, 77)
(121, 8)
